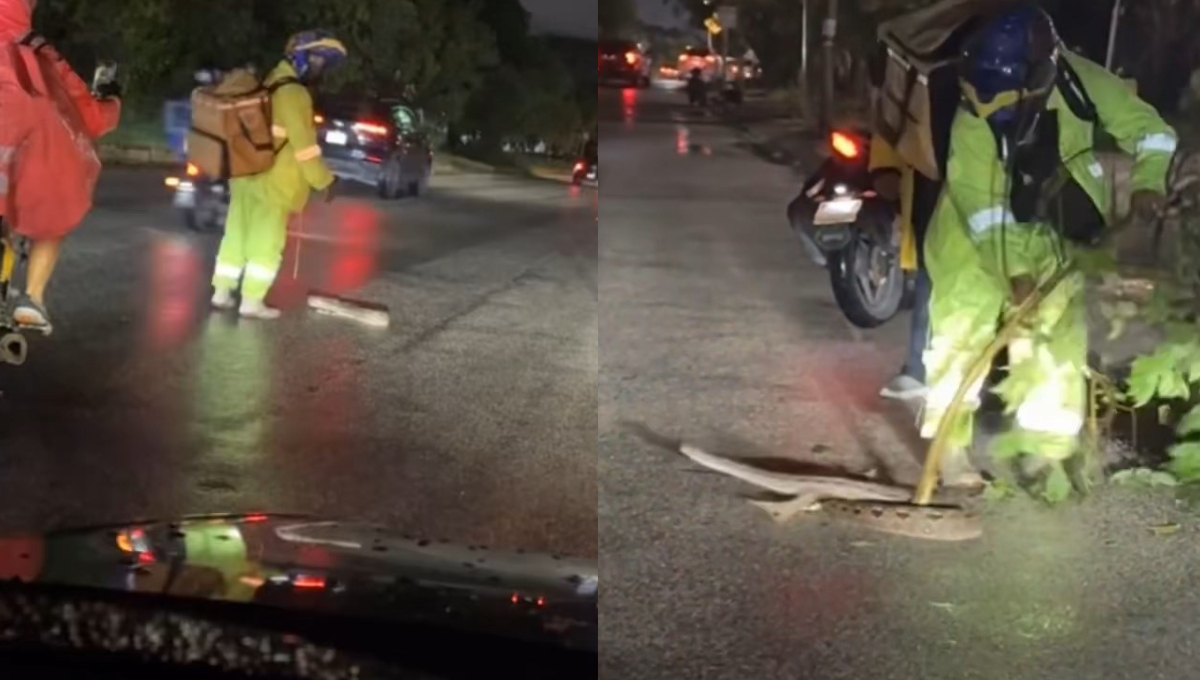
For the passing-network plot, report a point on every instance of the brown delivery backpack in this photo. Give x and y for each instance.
(917, 81)
(231, 126)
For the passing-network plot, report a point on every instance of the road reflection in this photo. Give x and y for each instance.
(629, 102)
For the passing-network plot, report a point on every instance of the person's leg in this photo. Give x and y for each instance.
(1049, 387)
(231, 258)
(964, 309)
(910, 382)
(918, 336)
(43, 258)
(264, 254)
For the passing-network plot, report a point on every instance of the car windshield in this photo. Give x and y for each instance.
(332, 263)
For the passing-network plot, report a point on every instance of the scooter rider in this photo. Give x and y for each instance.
(697, 89)
(256, 230)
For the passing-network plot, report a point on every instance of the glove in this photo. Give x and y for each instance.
(331, 191)
(1146, 205)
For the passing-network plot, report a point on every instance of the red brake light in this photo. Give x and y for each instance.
(580, 167)
(844, 145)
(192, 170)
(371, 128)
(256, 518)
(309, 582)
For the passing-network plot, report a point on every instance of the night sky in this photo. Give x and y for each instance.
(576, 18)
(658, 12)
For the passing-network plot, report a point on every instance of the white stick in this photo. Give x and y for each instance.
(815, 486)
(299, 245)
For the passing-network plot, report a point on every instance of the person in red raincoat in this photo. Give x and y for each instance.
(49, 124)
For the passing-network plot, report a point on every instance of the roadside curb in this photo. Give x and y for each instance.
(128, 155)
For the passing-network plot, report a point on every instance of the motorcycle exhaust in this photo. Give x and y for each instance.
(796, 220)
(13, 349)
(811, 248)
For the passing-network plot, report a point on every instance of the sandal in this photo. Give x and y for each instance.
(29, 315)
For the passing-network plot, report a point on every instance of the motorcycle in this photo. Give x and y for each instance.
(585, 171)
(13, 347)
(847, 228)
(202, 201)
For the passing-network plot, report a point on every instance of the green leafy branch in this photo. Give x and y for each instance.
(1167, 299)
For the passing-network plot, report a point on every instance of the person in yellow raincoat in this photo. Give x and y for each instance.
(256, 229)
(1027, 122)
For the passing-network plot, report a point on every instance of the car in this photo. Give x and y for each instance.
(699, 58)
(377, 142)
(624, 61)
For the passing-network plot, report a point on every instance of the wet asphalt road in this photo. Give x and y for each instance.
(714, 329)
(472, 418)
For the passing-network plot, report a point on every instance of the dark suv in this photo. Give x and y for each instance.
(624, 60)
(376, 142)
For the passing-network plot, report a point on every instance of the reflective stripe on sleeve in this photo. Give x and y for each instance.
(989, 218)
(308, 154)
(279, 131)
(1157, 143)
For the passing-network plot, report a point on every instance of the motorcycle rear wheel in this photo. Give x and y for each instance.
(867, 283)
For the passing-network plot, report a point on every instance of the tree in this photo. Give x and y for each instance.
(616, 17)
(437, 53)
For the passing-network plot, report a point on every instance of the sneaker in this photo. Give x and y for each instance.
(29, 315)
(256, 309)
(223, 299)
(903, 388)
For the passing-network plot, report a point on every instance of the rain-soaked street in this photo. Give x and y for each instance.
(715, 329)
(472, 418)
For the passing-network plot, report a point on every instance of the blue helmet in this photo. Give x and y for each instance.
(1011, 58)
(312, 53)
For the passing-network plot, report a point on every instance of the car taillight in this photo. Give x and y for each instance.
(371, 128)
(580, 167)
(302, 582)
(631, 57)
(844, 145)
(192, 170)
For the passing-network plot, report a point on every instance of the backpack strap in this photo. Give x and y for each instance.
(282, 82)
(34, 41)
(1075, 94)
(271, 90)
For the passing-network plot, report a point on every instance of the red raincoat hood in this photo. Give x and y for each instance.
(16, 18)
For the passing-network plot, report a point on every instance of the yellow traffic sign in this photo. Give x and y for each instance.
(713, 26)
